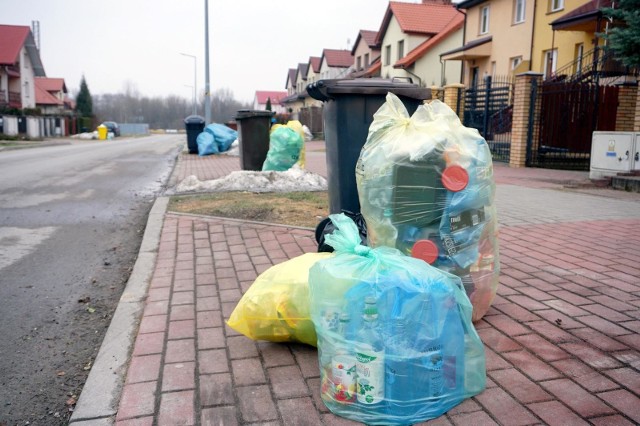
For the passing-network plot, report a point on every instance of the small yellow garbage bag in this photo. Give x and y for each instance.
(276, 306)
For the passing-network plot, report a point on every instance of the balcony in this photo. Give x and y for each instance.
(11, 99)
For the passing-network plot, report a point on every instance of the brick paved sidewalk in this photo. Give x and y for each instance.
(561, 339)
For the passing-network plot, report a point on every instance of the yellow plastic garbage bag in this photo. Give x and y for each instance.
(276, 306)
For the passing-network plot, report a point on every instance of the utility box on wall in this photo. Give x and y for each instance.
(613, 153)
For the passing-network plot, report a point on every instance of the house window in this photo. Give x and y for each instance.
(550, 62)
(25, 62)
(484, 20)
(556, 5)
(518, 11)
(359, 62)
(515, 62)
(400, 49)
(493, 69)
(366, 60)
(26, 89)
(387, 54)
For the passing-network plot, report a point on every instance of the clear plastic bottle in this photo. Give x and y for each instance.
(399, 382)
(370, 365)
(344, 363)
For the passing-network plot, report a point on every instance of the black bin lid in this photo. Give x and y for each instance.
(194, 119)
(248, 113)
(324, 90)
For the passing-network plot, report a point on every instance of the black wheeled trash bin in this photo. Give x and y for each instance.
(194, 124)
(253, 137)
(349, 105)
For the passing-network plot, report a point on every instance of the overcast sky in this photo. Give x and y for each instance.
(252, 43)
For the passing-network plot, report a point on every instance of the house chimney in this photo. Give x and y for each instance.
(35, 30)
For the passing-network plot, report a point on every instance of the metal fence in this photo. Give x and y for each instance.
(488, 107)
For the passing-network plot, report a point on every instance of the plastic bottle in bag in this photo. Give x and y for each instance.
(344, 363)
(370, 357)
(399, 382)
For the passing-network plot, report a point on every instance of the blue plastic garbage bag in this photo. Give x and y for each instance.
(206, 144)
(223, 135)
(396, 344)
(284, 149)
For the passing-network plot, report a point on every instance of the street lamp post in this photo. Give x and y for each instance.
(193, 90)
(195, 81)
(207, 101)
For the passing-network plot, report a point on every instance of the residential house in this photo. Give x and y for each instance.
(20, 63)
(290, 85)
(52, 96)
(261, 97)
(296, 84)
(335, 64)
(366, 53)
(408, 42)
(313, 75)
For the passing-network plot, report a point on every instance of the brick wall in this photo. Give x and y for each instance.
(520, 123)
(627, 114)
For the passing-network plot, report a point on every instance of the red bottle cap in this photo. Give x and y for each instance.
(426, 250)
(455, 178)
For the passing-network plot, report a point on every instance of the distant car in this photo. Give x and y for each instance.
(112, 127)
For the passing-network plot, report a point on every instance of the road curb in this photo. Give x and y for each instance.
(101, 393)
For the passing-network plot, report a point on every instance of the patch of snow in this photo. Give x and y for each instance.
(307, 133)
(293, 180)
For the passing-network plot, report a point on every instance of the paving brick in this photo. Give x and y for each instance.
(182, 312)
(230, 295)
(602, 325)
(153, 324)
(256, 404)
(176, 408)
(206, 279)
(216, 389)
(517, 312)
(625, 402)
(593, 357)
(179, 376)
(298, 411)
(498, 341)
(227, 308)
(467, 406)
(141, 421)
(143, 368)
(477, 418)
(211, 338)
(507, 325)
(160, 307)
(150, 343)
(561, 320)
(241, 347)
(247, 372)
(184, 285)
(208, 304)
(180, 351)
(553, 412)
(523, 389)
(505, 409)
(551, 332)
(627, 377)
(599, 340)
(314, 387)
(565, 308)
(182, 298)
(137, 399)
(532, 366)
(287, 382)
(206, 291)
(182, 329)
(307, 359)
(213, 361)
(581, 401)
(208, 319)
(494, 361)
(616, 420)
(584, 375)
(158, 294)
(226, 416)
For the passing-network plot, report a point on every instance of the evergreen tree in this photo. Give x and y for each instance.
(84, 104)
(624, 37)
(268, 104)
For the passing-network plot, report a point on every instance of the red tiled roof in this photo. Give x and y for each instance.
(275, 97)
(51, 84)
(314, 62)
(12, 38)
(417, 18)
(455, 24)
(373, 68)
(369, 37)
(338, 58)
(45, 98)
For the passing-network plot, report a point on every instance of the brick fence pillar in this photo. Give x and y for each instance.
(454, 97)
(437, 92)
(636, 122)
(626, 116)
(520, 121)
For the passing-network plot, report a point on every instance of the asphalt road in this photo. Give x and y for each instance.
(71, 222)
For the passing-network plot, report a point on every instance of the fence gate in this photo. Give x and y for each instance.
(563, 117)
(488, 107)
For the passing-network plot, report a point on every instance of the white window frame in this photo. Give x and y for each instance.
(484, 20)
(579, 58)
(366, 60)
(515, 61)
(400, 49)
(556, 5)
(359, 63)
(519, 12)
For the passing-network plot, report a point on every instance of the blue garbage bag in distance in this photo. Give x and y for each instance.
(206, 144)
(223, 135)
